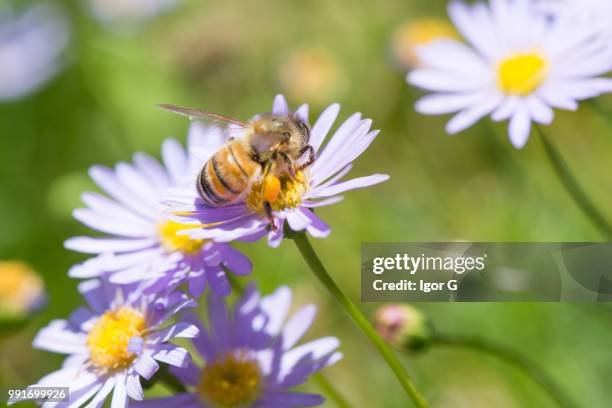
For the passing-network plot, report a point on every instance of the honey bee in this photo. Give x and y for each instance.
(270, 146)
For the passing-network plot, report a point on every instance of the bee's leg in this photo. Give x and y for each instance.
(290, 165)
(268, 209)
(311, 156)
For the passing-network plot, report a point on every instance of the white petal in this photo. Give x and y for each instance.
(438, 104)
(519, 128)
(539, 111)
(468, 117)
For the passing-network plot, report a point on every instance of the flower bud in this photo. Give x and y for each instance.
(21, 290)
(403, 326)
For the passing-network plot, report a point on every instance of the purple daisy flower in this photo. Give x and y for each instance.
(114, 342)
(315, 186)
(250, 356)
(143, 246)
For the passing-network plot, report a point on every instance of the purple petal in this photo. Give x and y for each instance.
(110, 226)
(91, 245)
(280, 106)
(275, 237)
(135, 345)
(197, 284)
(107, 180)
(315, 349)
(218, 281)
(100, 397)
(59, 338)
(146, 366)
(136, 183)
(323, 125)
(151, 169)
(169, 354)
(175, 160)
(189, 375)
(322, 203)
(322, 183)
(302, 113)
(236, 261)
(203, 343)
(79, 317)
(110, 209)
(331, 161)
(352, 184)
(120, 399)
(276, 307)
(297, 325)
(297, 220)
(219, 321)
(133, 387)
(317, 228)
(97, 294)
(180, 330)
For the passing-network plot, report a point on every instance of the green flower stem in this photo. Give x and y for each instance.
(164, 376)
(511, 357)
(573, 188)
(330, 391)
(322, 381)
(313, 261)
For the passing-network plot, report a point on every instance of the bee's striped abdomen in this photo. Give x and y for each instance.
(226, 175)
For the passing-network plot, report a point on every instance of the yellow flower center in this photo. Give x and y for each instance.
(230, 382)
(521, 74)
(281, 192)
(20, 287)
(172, 241)
(417, 33)
(311, 73)
(108, 339)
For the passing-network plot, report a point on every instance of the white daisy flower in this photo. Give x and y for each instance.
(518, 65)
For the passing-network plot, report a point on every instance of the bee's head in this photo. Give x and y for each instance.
(290, 132)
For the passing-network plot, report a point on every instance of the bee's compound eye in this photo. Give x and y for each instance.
(305, 131)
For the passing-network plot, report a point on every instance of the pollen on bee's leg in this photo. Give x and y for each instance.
(272, 188)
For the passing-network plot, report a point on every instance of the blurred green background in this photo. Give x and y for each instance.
(232, 57)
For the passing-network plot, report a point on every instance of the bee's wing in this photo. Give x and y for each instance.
(208, 118)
